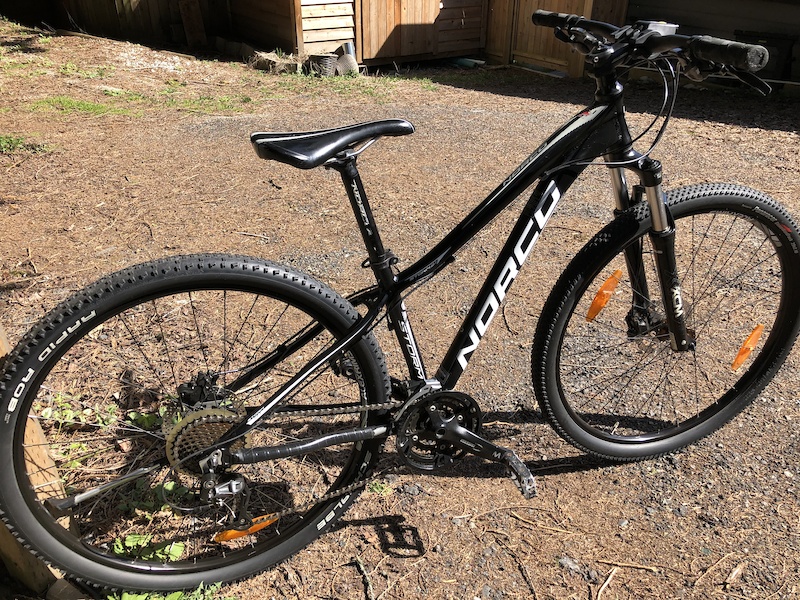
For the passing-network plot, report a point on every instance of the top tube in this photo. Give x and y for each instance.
(575, 140)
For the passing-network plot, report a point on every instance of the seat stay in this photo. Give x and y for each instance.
(314, 148)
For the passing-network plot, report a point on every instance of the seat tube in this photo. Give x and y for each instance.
(662, 236)
(379, 259)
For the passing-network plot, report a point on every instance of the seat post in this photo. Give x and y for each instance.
(380, 260)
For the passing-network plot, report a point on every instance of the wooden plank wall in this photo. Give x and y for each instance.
(461, 26)
(381, 29)
(777, 22)
(147, 20)
(511, 35)
(327, 24)
(721, 17)
(266, 24)
(418, 32)
(499, 31)
(379, 20)
(536, 45)
(395, 29)
(610, 11)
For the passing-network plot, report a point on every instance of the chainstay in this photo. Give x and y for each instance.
(353, 486)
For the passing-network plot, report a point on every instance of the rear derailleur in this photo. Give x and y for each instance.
(221, 487)
(435, 430)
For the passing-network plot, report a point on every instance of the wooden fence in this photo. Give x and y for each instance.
(512, 36)
(382, 30)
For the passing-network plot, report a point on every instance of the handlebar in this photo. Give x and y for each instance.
(745, 57)
(700, 48)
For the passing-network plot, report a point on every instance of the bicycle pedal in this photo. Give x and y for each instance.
(520, 474)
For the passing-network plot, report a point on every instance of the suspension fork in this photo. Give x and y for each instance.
(662, 238)
(639, 319)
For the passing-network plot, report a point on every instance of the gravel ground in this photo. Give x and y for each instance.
(131, 154)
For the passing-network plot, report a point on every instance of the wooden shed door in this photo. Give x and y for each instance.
(535, 45)
(394, 28)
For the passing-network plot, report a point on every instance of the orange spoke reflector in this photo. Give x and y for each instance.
(259, 523)
(603, 295)
(748, 346)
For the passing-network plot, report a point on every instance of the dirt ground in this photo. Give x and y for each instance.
(124, 154)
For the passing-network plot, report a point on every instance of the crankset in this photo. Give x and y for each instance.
(443, 426)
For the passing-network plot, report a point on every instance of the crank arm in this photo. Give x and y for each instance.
(471, 442)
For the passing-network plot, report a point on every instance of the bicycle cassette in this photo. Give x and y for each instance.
(420, 428)
(196, 432)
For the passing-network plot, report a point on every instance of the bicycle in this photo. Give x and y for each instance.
(207, 416)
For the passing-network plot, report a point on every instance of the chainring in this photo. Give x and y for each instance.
(417, 440)
(196, 432)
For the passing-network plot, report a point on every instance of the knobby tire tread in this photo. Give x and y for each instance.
(130, 283)
(602, 248)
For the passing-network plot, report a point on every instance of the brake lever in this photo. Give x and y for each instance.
(755, 82)
(580, 39)
(699, 71)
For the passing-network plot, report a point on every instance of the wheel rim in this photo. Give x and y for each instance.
(632, 388)
(135, 362)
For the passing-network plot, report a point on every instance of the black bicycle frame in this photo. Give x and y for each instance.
(589, 134)
(599, 130)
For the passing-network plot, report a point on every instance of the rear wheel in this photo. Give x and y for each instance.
(603, 370)
(136, 375)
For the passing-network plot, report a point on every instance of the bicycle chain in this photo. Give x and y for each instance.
(329, 496)
(353, 486)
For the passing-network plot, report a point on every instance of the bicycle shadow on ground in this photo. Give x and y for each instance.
(478, 468)
(395, 537)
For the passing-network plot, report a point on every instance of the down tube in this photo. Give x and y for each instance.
(523, 237)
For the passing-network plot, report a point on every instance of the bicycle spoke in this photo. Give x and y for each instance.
(631, 386)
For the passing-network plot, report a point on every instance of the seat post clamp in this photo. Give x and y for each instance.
(387, 260)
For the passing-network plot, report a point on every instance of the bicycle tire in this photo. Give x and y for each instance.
(623, 395)
(101, 376)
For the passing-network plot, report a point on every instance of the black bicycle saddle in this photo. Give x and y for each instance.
(313, 148)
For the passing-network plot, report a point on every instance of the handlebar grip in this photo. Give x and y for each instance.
(546, 18)
(745, 57)
(555, 20)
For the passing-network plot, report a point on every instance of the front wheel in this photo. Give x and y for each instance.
(603, 370)
(111, 400)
